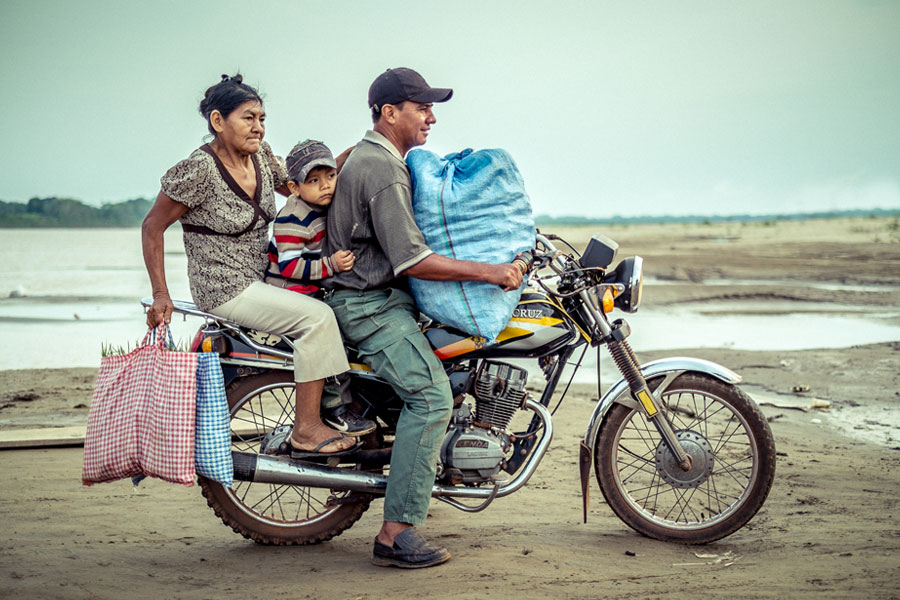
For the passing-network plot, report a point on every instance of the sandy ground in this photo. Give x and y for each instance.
(826, 531)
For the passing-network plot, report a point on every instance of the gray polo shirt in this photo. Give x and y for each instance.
(371, 214)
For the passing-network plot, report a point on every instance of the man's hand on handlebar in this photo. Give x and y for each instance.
(508, 276)
(524, 260)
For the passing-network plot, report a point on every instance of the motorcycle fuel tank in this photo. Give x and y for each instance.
(538, 326)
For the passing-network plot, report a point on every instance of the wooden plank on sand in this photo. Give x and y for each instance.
(44, 437)
(49, 437)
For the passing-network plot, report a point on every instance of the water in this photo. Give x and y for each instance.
(770, 283)
(80, 289)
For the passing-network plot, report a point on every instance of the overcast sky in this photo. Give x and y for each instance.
(629, 108)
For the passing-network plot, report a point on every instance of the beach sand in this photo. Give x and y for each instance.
(826, 531)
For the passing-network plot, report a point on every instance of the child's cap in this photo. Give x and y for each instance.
(306, 156)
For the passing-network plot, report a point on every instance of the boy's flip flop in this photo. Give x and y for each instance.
(315, 452)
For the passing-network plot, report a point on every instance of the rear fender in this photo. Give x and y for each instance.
(669, 369)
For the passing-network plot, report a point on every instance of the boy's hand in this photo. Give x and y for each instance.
(343, 260)
(341, 158)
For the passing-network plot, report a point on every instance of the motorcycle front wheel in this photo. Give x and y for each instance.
(275, 513)
(733, 463)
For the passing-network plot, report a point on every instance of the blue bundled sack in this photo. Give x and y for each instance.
(470, 206)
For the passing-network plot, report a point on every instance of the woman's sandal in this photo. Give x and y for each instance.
(315, 452)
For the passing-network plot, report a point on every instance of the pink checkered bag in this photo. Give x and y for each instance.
(142, 415)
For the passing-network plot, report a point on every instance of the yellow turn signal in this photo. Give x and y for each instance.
(214, 343)
(607, 300)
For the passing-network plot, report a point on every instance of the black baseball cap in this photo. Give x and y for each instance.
(397, 85)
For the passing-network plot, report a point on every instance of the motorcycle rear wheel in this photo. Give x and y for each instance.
(275, 513)
(733, 455)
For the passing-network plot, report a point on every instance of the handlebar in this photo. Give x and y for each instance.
(550, 252)
(526, 260)
(543, 254)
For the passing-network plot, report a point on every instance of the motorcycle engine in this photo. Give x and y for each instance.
(475, 447)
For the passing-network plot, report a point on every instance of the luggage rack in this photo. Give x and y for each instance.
(189, 308)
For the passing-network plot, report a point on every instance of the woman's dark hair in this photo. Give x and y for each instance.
(226, 96)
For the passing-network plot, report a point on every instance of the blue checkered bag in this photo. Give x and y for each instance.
(212, 444)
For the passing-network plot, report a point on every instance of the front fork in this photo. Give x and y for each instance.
(630, 368)
(614, 337)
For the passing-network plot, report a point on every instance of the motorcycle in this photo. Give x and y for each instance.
(680, 453)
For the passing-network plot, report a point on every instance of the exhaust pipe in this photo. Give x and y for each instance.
(262, 468)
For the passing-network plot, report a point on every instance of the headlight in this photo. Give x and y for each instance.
(629, 273)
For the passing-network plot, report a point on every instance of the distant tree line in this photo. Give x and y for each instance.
(547, 220)
(65, 212)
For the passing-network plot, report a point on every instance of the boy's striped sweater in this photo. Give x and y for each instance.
(295, 250)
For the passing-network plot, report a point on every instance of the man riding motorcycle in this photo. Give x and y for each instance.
(372, 214)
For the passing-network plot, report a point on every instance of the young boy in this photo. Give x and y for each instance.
(295, 252)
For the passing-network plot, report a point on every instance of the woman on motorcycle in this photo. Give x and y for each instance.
(223, 194)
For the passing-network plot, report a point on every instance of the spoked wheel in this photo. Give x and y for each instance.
(262, 410)
(732, 463)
